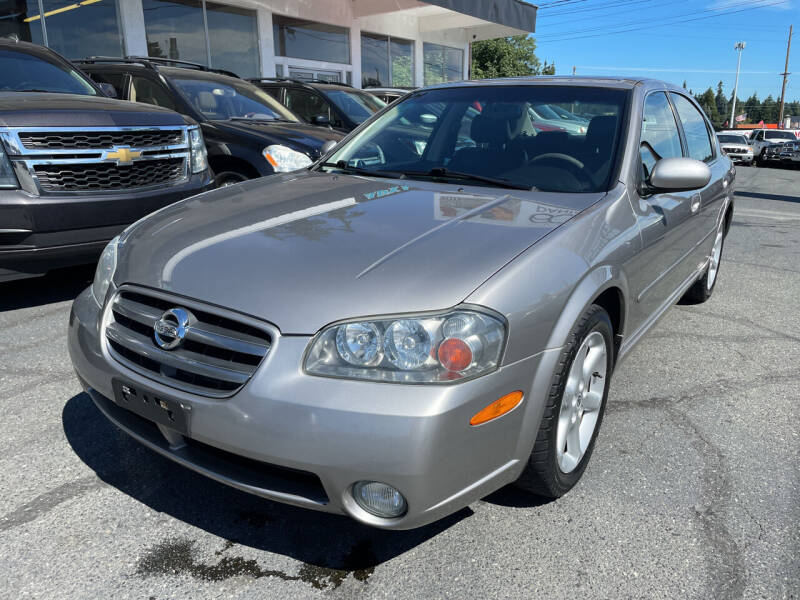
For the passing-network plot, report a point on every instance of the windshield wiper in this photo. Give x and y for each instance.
(40, 90)
(343, 166)
(445, 173)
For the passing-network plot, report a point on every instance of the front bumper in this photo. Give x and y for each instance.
(305, 440)
(39, 233)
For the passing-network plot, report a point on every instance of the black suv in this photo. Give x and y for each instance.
(76, 167)
(248, 133)
(322, 102)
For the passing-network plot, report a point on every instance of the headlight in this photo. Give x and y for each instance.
(285, 159)
(199, 152)
(457, 345)
(7, 178)
(105, 271)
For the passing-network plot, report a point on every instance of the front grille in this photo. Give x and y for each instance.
(735, 150)
(103, 140)
(75, 177)
(217, 357)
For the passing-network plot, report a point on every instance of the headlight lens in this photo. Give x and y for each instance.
(452, 346)
(285, 159)
(105, 271)
(7, 178)
(199, 152)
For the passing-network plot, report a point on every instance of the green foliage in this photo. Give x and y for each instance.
(708, 102)
(507, 57)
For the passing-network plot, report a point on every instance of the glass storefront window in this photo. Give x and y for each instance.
(227, 23)
(81, 29)
(297, 38)
(21, 18)
(374, 60)
(175, 29)
(442, 63)
(386, 61)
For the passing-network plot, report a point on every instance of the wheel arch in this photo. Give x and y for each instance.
(222, 162)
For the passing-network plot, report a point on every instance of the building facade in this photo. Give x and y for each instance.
(387, 43)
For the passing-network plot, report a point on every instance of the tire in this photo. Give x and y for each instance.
(227, 178)
(551, 472)
(702, 289)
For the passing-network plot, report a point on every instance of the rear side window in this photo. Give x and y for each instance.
(660, 137)
(694, 127)
(306, 104)
(116, 80)
(149, 92)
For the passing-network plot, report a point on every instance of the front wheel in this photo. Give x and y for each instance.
(227, 178)
(574, 410)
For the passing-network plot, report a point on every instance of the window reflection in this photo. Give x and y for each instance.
(228, 23)
(82, 29)
(19, 17)
(297, 38)
(386, 61)
(174, 29)
(442, 63)
(402, 57)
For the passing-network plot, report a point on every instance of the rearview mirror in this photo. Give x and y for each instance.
(320, 120)
(107, 89)
(679, 174)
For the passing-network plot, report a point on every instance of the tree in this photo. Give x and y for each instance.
(507, 57)
(721, 101)
(708, 103)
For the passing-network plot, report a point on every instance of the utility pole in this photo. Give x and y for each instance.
(738, 47)
(785, 75)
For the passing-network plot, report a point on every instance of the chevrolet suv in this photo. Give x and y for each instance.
(77, 167)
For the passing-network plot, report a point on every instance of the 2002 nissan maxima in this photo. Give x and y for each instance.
(432, 311)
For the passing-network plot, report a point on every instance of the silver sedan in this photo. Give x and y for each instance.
(432, 311)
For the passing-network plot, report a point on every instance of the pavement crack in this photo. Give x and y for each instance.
(47, 501)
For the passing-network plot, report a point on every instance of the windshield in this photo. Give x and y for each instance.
(732, 139)
(358, 106)
(486, 133)
(779, 135)
(220, 100)
(21, 72)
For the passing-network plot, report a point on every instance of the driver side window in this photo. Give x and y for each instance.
(306, 105)
(660, 137)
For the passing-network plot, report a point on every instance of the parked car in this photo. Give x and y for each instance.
(761, 139)
(790, 154)
(77, 167)
(771, 156)
(737, 147)
(391, 334)
(248, 134)
(323, 103)
(554, 116)
(387, 95)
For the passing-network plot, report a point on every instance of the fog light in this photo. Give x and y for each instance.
(379, 499)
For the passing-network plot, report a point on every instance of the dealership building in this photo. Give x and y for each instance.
(397, 43)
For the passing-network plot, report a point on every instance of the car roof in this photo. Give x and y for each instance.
(566, 80)
(27, 47)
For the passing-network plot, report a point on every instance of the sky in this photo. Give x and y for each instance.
(674, 40)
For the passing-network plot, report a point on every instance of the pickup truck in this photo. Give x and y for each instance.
(761, 139)
(77, 167)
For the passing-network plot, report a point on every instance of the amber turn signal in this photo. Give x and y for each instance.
(497, 408)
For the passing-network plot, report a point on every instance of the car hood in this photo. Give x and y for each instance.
(33, 109)
(304, 250)
(300, 136)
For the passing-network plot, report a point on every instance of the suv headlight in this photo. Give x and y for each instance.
(7, 178)
(105, 271)
(285, 159)
(199, 152)
(460, 344)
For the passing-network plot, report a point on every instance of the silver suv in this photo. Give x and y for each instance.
(430, 312)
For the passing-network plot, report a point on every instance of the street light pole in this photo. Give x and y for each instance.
(738, 47)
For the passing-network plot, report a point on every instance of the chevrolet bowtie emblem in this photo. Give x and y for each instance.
(122, 155)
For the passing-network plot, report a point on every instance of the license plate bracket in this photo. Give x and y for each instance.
(151, 406)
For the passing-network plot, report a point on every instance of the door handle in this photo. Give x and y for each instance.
(695, 203)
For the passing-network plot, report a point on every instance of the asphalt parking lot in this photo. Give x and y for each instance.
(693, 490)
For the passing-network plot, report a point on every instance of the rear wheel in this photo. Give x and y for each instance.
(574, 410)
(702, 289)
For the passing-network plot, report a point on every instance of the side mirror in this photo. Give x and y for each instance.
(107, 89)
(328, 146)
(679, 174)
(320, 120)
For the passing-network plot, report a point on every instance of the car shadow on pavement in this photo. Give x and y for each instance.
(331, 544)
(57, 286)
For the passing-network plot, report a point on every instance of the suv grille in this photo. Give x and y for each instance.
(100, 139)
(216, 358)
(99, 176)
